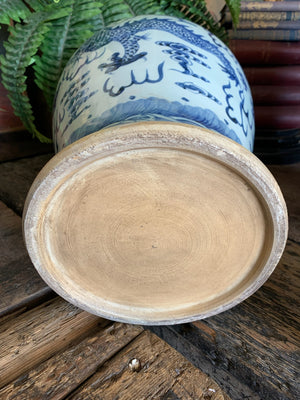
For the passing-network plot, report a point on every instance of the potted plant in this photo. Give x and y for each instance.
(43, 34)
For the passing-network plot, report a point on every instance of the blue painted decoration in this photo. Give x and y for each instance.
(153, 68)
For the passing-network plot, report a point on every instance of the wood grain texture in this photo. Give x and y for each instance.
(58, 376)
(165, 374)
(38, 334)
(16, 178)
(201, 358)
(20, 285)
(243, 346)
(257, 341)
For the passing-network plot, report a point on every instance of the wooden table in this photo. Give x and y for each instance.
(52, 350)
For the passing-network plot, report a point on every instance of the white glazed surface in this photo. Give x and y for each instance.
(153, 68)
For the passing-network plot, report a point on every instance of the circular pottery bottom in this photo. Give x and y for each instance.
(155, 223)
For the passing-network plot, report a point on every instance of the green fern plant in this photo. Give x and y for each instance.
(43, 34)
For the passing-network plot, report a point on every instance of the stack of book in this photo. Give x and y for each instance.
(265, 45)
(273, 72)
(266, 20)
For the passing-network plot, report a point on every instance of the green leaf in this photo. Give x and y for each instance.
(21, 47)
(39, 5)
(234, 8)
(116, 10)
(12, 9)
(64, 37)
(47, 32)
(145, 7)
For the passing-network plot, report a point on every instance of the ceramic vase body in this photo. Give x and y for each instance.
(154, 210)
(153, 68)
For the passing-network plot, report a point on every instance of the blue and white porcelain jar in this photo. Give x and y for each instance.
(154, 210)
(153, 68)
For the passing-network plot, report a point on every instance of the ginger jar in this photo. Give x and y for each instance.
(154, 209)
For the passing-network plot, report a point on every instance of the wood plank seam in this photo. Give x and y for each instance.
(40, 333)
(30, 302)
(163, 371)
(21, 285)
(200, 358)
(102, 365)
(68, 369)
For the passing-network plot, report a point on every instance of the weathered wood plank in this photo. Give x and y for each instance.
(202, 359)
(60, 375)
(20, 283)
(16, 178)
(268, 320)
(164, 374)
(257, 341)
(38, 334)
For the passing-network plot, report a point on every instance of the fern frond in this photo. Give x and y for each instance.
(22, 45)
(234, 8)
(47, 32)
(116, 10)
(12, 9)
(39, 5)
(63, 38)
(145, 7)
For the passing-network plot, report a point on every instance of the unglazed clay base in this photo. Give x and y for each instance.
(155, 223)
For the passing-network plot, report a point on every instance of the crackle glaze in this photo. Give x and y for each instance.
(153, 68)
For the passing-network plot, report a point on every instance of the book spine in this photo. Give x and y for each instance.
(275, 95)
(269, 25)
(265, 34)
(266, 52)
(277, 117)
(264, 16)
(277, 133)
(270, 6)
(279, 76)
